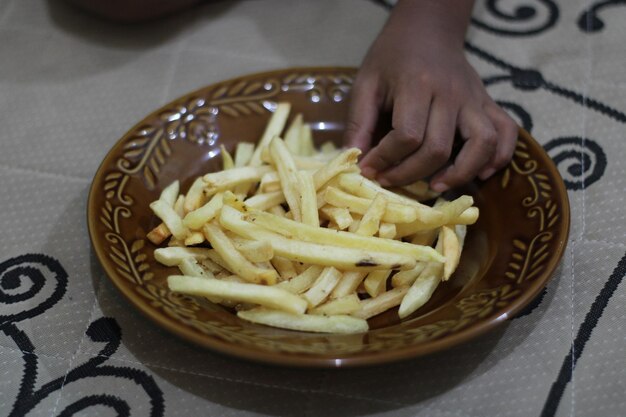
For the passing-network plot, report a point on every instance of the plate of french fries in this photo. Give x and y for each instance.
(234, 218)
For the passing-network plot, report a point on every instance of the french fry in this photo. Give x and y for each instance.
(265, 200)
(227, 159)
(308, 163)
(453, 209)
(308, 200)
(171, 219)
(332, 226)
(349, 283)
(360, 186)
(175, 242)
(222, 180)
(288, 174)
(421, 191)
(345, 161)
(243, 153)
(421, 290)
(469, 216)
(210, 265)
(284, 266)
(426, 237)
(450, 211)
(170, 193)
(461, 232)
(198, 217)
(423, 287)
(233, 201)
(300, 267)
(322, 287)
(303, 281)
(394, 213)
(277, 211)
(217, 259)
(179, 206)
(235, 261)
(376, 281)
(173, 256)
(303, 264)
(352, 279)
(274, 127)
(338, 215)
(233, 278)
(388, 231)
(254, 250)
(268, 296)
(190, 266)
(344, 305)
(376, 305)
(453, 240)
(159, 234)
(451, 248)
(312, 253)
(306, 140)
(322, 236)
(305, 322)
(292, 135)
(270, 182)
(354, 226)
(408, 277)
(195, 195)
(370, 222)
(319, 199)
(328, 147)
(194, 238)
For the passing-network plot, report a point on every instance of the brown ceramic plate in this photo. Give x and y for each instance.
(511, 252)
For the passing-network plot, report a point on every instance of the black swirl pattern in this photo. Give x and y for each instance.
(522, 14)
(26, 278)
(518, 112)
(23, 278)
(530, 79)
(581, 161)
(590, 22)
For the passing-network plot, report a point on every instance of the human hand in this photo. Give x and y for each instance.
(417, 69)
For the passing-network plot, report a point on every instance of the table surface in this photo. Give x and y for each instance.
(71, 85)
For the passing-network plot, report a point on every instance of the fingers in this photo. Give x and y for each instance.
(478, 150)
(507, 131)
(423, 127)
(362, 114)
(409, 117)
(434, 152)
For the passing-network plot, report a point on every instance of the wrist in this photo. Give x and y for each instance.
(443, 22)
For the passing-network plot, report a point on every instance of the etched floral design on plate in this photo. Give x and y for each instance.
(196, 119)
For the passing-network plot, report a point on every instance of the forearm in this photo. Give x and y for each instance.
(433, 20)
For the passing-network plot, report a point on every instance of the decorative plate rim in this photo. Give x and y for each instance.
(320, 360)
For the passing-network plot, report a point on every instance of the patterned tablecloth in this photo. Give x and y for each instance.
(70, 85)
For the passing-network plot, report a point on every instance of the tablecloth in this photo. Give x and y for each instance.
(71, 85)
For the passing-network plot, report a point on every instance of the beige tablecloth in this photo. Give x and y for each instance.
(71, 85)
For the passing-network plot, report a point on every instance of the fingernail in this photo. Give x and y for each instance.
(368, 172)
(439, 187)
(486, 173)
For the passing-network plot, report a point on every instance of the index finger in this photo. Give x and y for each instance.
(362, 114)
(410, 113)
